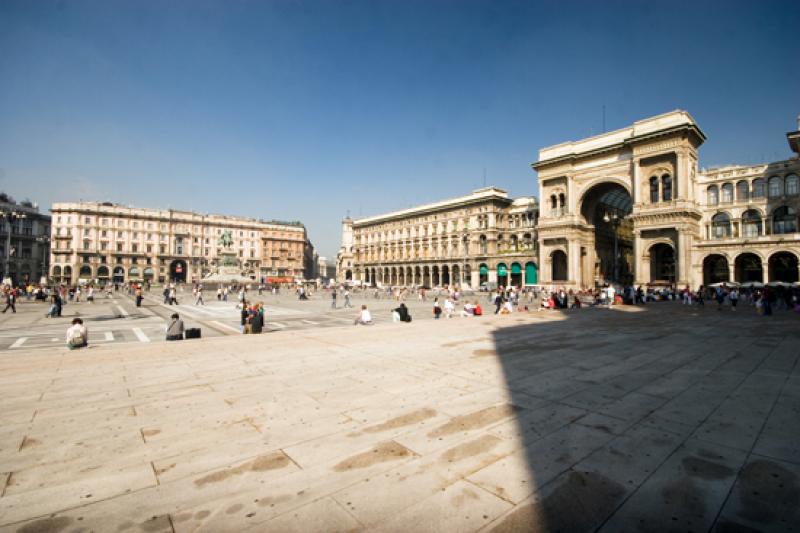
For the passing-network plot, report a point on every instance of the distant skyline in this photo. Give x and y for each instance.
(305, 110)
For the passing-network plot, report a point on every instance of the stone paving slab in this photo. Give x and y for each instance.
(659, 418)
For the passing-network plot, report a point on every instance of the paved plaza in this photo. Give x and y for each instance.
(656, 418)
(117, 319)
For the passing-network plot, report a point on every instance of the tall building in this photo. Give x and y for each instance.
(632, 206)
(24, 241)
(484, 236)
(106, 242)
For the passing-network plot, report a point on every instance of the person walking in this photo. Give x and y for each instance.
(720, 296)
(449, 307)
(733, 296)
(175, 328)
(199, 300)
(139, 297)
(498, 301)
(166, 294)
(347, 298)
(11, 301)
(173, 296)
(77, 335)
(437, 309)
(333, 298)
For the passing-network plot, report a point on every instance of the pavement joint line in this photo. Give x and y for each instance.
(140, 335)
(109, 336)
(122, 311)
(226, 326)
(19, 342)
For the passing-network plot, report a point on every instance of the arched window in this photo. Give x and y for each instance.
(562, 203)
(653, 190)
(721, 226)
(775, 187)
(751, 223)
(759, 188)
(727, 193)
(482, 243)
(666, 187)
(742, 191)
(712, 194)
(792, 184)
(784, 220)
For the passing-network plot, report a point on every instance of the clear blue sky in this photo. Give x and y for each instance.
(305, 110)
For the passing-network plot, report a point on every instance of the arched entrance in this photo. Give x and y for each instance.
(662, 263)
(531, 273)
(426, 277)
(102, 274)
(148, 274)
(455, 273)
(348, 275)
(118, 275)
(85, 272)
(483, 273)
(435, 276)
(502, 275)
(783, 267)
(715, 269)
(558, 262)
(177, 271)
(748, 268)
(606, 207)
(516, 274)
(57, 274)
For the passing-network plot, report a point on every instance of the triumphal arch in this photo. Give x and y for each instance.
(621, 207)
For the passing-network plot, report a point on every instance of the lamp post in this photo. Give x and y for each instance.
(614, 220)
(465, 239)
(43, 241)
(10, 217)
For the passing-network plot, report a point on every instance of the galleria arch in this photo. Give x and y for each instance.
(628, 213)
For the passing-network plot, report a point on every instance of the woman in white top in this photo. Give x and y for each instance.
(77, 335)
(364, 317)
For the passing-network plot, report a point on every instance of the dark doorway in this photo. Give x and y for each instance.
(748, 268)
(177, 271)
(606, 206)
(715, 269)
(559, 263)
(662, 263)
(783, 267)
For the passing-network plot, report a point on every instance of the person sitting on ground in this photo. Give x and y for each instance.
(476, 310)
(402, 311)
(468, 310)
(77, 335)
(364, 317)
(175, 328)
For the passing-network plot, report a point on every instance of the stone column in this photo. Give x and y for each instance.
(574, 273)
(637, 189)
(683, 257)
(638, 266)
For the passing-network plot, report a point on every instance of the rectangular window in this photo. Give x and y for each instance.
(119, 246)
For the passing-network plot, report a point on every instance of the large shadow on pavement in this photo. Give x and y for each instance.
(630, 420)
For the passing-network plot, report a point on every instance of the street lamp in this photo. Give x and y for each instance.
(44, 240)
(615, 220)
(10, 217)
(465, 238)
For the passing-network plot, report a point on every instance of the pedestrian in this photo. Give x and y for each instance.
(347, 298)
(173, 296)
(245, 318)
(175, 328)
(199, 300)
(333, 298)
(166, 294)
(77, 335)
(449, 307)
(139, 297)
(498, 301)
(11, 301)
(364, 317)
(700, 296)
(90, 294)
(733, 296)
(257, 320)
(720, 296)
(437, 309)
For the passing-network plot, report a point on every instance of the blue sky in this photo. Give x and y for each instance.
(307, 109)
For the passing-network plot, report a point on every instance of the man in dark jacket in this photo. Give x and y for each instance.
(403, 312)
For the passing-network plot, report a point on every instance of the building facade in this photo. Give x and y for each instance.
(631, 206)
(481, 237)
(105, 242)
(24, 242)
